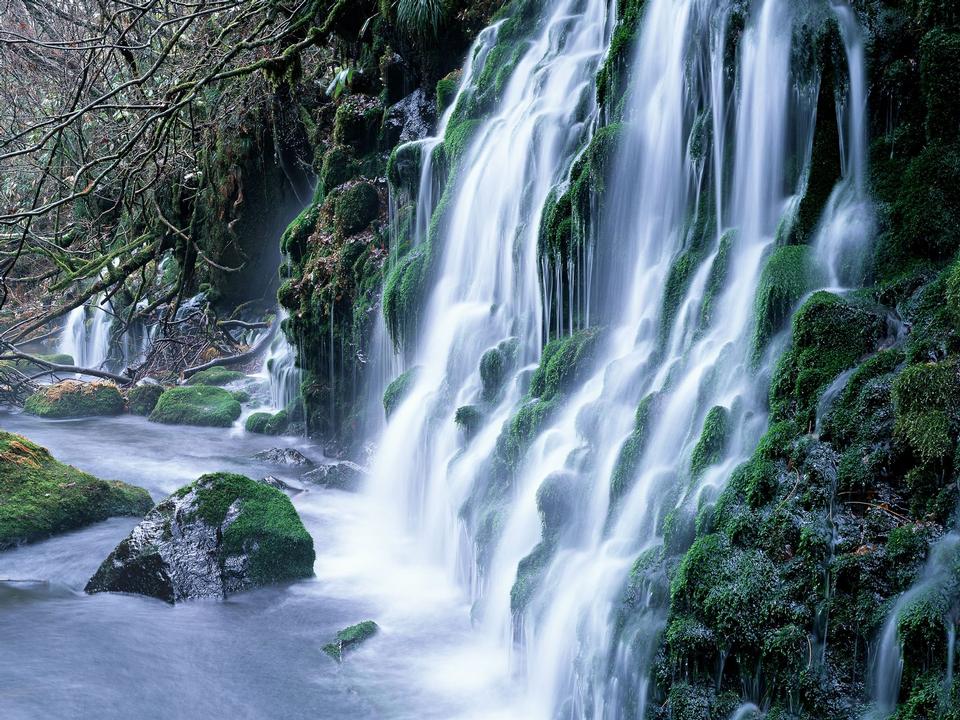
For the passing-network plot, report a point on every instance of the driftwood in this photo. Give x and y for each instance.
(242, 324)
(250, 354)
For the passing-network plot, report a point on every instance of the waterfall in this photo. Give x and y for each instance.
(87, 341)
(939, 583)
(848, 222)
(710, 165)
(280, 367)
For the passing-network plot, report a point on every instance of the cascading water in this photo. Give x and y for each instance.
(280, 367)
(87, 342)
(709, 168)
(939, 583)
(487, 290)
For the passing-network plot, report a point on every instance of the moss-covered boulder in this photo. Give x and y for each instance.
(222, 534)
(196, 405)
(216, 376)
(397, 390)
(349, 638)
(355, 208)
(264, 423)
(142, 399)
(40, 496)
(72, 398)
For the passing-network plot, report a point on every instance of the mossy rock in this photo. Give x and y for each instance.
(219, 535)
(142, 399)
(40, 497)
(357, 122)
(713, 441)
(397, 390)
(71, 399)
(216, 376)
(447, 91)
(264, 423)
(469, 418)
(355, 208)
(786, 277)
(197, 405)
(349, 638)
(337, 167)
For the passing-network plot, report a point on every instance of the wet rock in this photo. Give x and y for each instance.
(71, 398)
(279, 484)
(410, 119)
(284, 457)
(343, 475)
(220, 535)
(197, 405)
(349, 638)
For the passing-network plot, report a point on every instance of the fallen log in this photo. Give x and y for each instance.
(250, 354)
(49, 368)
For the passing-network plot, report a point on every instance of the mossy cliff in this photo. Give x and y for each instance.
(40, 497)
(797, 564)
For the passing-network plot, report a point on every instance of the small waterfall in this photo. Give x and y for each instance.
(848, 222)
(747, 711)
(939, 579)
(280, 367)
(87, 340)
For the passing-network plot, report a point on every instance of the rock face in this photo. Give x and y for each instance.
(40, 497)
(197, 405)
(284, 457)
(71, 398)
(342, 475)
(220, 535)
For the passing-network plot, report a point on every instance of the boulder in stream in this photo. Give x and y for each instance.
(284, 457)
(349, 638)
(72, 398)
(40, 497)
(216, 375)
(220, 535)
(196, 405)
(343, 475)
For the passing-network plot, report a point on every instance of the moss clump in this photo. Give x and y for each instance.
(355, 208)
(336, 168)
(469, 418)
(564, 363)
(216, 376)
(925, 400)
(71, 398)
(713, 441)
(785, 278)
(495, 364)
(403, 169)
(717, 280)
(447, 91)
(357, 123)
(926, 212)
(267, 528)
(40, 496)
(198, 405)
(294, 241)
(402, 291)
(830, 334)
(940, 58)
(142, 399)
(351, 637)
(624, 472)
(397, 390)
(264, 423)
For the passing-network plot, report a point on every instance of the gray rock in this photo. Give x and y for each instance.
(411, 118)
(284, 457)
(282, 485)
(184, 549)
(343, 475)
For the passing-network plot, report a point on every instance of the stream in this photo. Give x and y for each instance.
(258, 654)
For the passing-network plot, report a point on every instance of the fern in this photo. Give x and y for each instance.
(422, 17)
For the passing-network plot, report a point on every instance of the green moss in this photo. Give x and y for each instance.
(337, 167)
(403, 169)
(403, 290)
(925, 401)
(355, 208)
(469, 418)
(447, 91)
(495, 364)
(564, 363)
(713, 441)
(197, 405)
(785, 278)
(142, 399)
(613, 75)
(71, 398)
(397, 390)
(457, 139)
(357, 123)
(926, 212)
(624, 472)
(267, 527)
(350, 637)
(717, 280)
(40, 496)
(940, 58)
(28, 367)
(216, 376)
(264, 423)
(293, 242)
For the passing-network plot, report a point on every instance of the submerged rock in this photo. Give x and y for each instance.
(286, 457)
(264, 423)
(196, 405)
(40, 497)
(343, 475)
(220, 535)
(349, 638)
(279, 484)
(72, 398)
